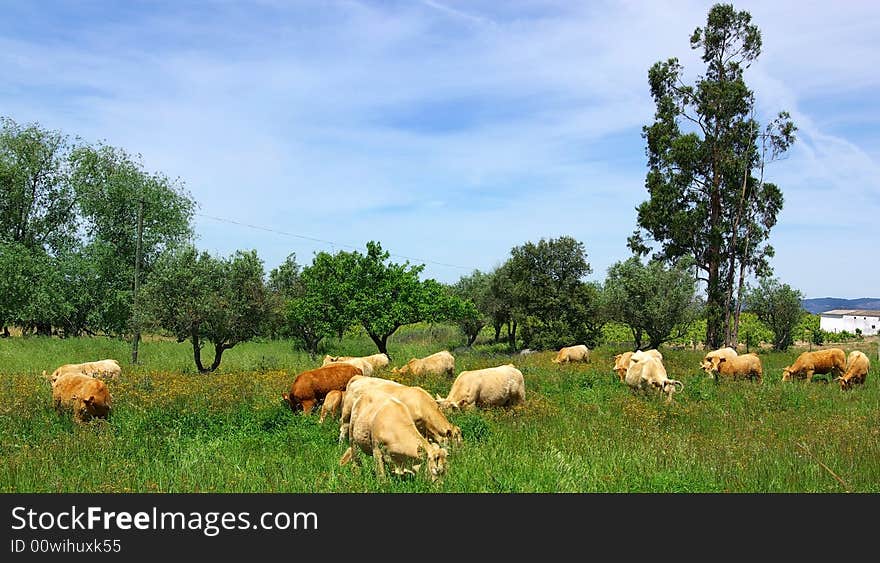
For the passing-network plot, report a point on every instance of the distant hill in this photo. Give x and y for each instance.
(822, 304)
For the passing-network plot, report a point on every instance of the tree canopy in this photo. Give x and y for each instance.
(706, 154)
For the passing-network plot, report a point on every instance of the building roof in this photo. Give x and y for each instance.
(853, 312)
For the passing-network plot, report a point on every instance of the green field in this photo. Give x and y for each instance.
(580, 430)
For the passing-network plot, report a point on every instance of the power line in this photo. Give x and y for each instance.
(323, 241)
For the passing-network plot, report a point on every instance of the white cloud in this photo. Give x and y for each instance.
(328, 120)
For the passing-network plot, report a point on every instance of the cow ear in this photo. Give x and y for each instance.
(722, 360)
(285, 396)
(90, 400)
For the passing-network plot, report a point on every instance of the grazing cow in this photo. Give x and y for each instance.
(578, 353)
(87, 396)
(646, 372)
(857, 366)
(312, 386)
(830, 360)
(426, 415)
(381, 426)
(440, 363)
(332, 404)
(709, 359)
(376, 361)
(622, 361)
(365, 366)
(102, 369)
(735, 367)
(489, 387)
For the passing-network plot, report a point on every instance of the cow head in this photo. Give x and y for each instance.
(453, 434)
(844, 383)
(290, 401)
(96, 407)
(436, 461)
(786, 373)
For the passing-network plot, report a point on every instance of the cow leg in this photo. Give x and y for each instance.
(380, 461)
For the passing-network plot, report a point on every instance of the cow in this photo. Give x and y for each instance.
(425, 412)
(622, 361)
(736, 367)
(857, 366)
(382, 426)
(497, 386)
(332, 404)
(310, 387)
(646, 372)
(365, 366)
(577, 353)
(89, 397)
(708, 360)
(828, 361)
(376, 362)
(102, 369)
(440, 363)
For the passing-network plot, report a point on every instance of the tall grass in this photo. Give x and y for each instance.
(580, 430)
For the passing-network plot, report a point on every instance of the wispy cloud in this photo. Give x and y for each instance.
(450, 131)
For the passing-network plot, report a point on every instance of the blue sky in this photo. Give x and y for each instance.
(449, 131)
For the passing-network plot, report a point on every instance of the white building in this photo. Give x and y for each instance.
(838, 320)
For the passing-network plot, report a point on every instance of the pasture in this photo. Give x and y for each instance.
(579, 430)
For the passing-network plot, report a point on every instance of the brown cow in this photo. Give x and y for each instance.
(857, 366)
(310, 387)
(87, 396)
(831, 360)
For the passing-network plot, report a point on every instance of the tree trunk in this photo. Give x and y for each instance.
(5, 331)
(497, 327)
(471, 339)
(381, 342)
(637, 337)
(218, 354)
(511, 335)
(197, 351)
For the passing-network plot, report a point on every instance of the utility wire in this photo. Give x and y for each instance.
(322, 241)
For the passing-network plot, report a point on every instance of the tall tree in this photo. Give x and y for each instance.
(704, 200)
(109, 185)
(651, 299)
(779, 306)
(200, 298)
(36, 197)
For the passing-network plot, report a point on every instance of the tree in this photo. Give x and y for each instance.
(475, 292)
(36, 197)
(704, 201)
(283, 286)
(651, 299)
(547, 292)
(779, 306)
(380, 296)
(198, 297)
(109, 185)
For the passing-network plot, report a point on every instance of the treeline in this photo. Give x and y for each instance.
(68, 230)
(69, 214)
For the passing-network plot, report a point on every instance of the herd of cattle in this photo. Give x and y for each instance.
(403, 427)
